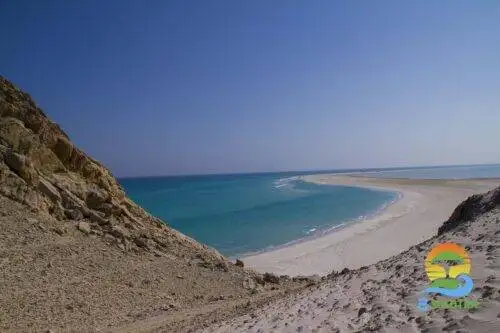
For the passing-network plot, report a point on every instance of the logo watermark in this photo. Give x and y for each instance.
(448, 268)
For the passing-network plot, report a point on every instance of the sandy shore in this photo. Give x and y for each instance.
(383, 297)
(415, 217)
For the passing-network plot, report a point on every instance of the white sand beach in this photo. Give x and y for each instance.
(415, 217)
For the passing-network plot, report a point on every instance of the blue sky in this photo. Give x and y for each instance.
(173, 87)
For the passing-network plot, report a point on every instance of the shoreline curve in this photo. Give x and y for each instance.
(331, 229)
(423, 205)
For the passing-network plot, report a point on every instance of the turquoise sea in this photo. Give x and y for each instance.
(244, 213)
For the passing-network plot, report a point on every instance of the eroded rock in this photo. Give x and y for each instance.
(49, 190)
(120, 232)
(63, 149)
(95, 199)
(41, 168)
(22, 166)
(97, 217)
(469, 209)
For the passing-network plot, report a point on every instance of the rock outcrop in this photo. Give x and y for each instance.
(77, 255)
(41, 168)
(471, 208)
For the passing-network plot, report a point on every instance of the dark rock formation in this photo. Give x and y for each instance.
(271, 278)
(471, 208)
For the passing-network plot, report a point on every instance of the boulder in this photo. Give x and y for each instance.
(71, 201)
(11, 185)
(95, 199)
(15, 162)
(90, 169)
(84, 227)
(22, 166)
(12, 131)
(49, 190)
(239, 263)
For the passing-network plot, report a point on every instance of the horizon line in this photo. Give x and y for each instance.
(346, 170)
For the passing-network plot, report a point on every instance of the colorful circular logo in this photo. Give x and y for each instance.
(448, 268)
(444, 263)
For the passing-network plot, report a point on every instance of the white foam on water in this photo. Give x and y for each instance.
(282, 182)
(310, 231)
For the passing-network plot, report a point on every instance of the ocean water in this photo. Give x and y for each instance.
(246, 213)
(238, 214)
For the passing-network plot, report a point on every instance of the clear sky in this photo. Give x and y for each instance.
(169, 87)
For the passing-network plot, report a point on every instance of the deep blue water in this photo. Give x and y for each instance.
(238, 214)
(244, 213)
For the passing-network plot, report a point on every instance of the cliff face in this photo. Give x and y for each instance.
(41, 168)
(77, 255)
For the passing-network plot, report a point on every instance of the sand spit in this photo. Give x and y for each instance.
(423, 207)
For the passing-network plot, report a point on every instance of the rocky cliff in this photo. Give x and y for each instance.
(76, 254)
(41, 168)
